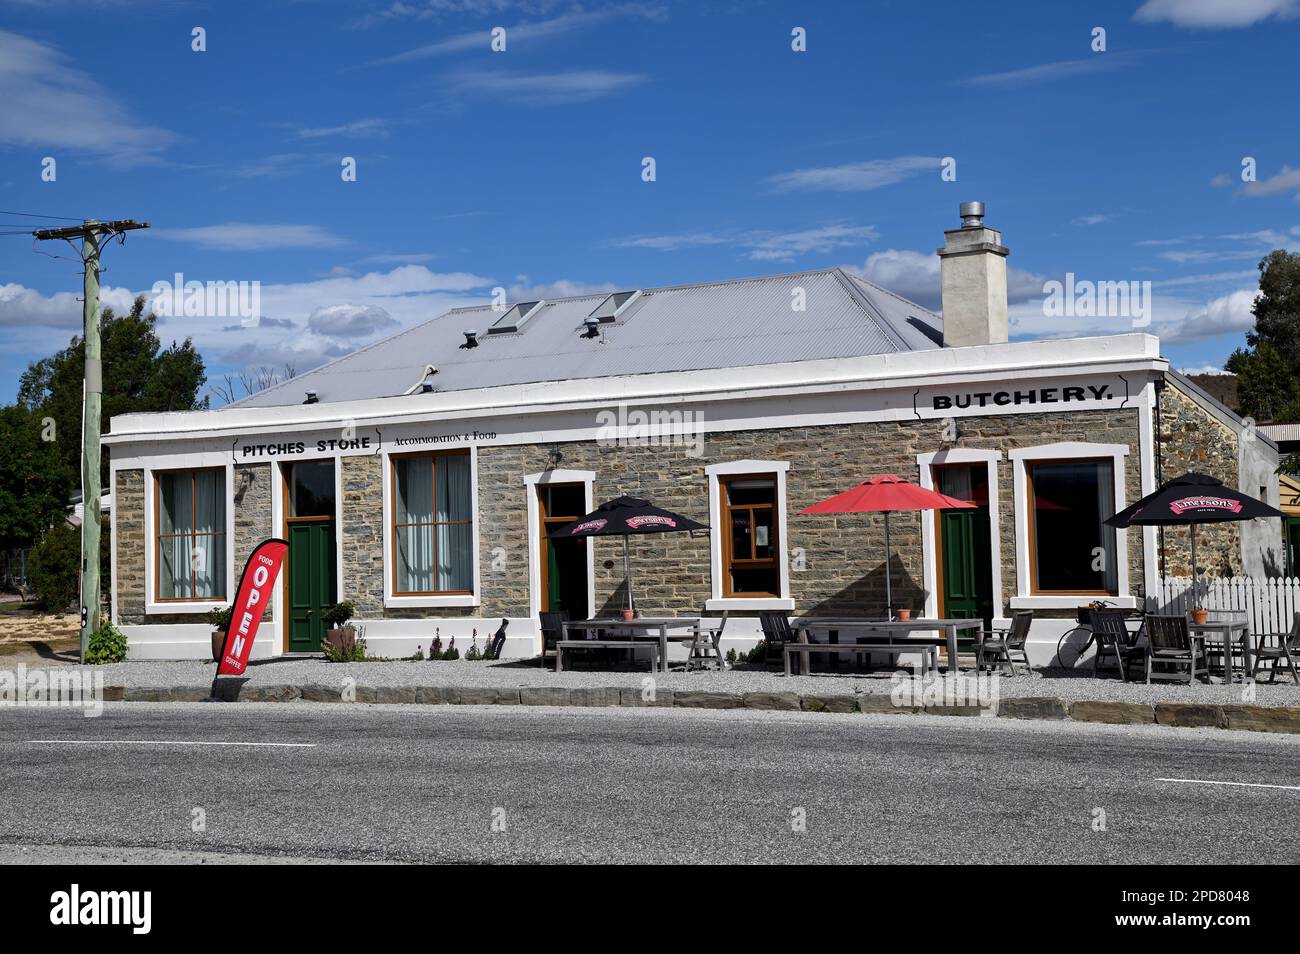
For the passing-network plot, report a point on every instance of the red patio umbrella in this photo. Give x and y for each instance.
(885, 494)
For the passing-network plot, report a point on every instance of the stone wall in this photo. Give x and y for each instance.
(1194, 440)
(842, 566)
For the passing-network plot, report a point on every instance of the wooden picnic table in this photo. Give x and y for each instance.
(640, 629)
(949, 627)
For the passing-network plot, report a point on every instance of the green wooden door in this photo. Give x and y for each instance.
(967, 574)
(311, 582)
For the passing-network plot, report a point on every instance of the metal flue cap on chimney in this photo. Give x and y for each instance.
(972, 215)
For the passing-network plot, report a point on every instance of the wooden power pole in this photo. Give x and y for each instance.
(93, 235)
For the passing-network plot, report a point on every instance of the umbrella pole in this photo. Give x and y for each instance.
(889, 589)
(1195, 578)
(627, 573)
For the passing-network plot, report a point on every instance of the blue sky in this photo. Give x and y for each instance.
(523, 169)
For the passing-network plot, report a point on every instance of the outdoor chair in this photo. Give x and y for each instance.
(1114, 640)
(776, 633)
(1170, 643)
(1287, 647)
(552, 627)
(1003, 645)
(705, 645)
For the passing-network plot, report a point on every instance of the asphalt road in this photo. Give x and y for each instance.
(441, 783)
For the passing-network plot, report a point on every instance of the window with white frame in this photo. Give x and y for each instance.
(748, 549)
(190, 535)
(433, 525)
(1071, 549)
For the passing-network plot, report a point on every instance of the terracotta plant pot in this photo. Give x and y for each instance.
(904, 615)
(218, 641)
(341, 639)
(1200, 617)
(629, 614)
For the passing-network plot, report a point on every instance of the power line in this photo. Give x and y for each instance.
(34, 215)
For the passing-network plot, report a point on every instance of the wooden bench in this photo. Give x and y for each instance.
(927, 646)
(564, 644)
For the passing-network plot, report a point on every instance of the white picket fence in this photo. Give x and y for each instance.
(1270, 604)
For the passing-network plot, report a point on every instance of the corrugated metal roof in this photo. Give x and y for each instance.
(681, 328)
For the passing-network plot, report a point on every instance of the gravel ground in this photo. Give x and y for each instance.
(1068, 687)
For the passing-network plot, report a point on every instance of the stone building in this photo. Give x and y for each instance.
(418, 477)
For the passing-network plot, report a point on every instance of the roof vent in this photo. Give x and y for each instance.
(426, 386)
(972, 215)
(311, 398)
(614, 305)
(514, 319)
(593, 327)
(471, 339)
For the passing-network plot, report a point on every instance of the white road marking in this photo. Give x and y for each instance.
(1205, 781)
(274, 745)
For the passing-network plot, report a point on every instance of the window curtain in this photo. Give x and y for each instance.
(454, 539)
(414, 541)
(208, 557)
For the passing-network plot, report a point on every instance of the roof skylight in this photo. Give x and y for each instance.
(609, 309)
(513, 319)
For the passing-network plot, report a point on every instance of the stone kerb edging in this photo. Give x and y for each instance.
(1178, 714)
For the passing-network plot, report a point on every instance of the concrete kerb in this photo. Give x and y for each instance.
(1176, 714)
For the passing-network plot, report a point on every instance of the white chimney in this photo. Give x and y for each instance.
(973, 265)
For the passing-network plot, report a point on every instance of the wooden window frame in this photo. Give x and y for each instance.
(394, 526)
(1031, 516)
(158, 535)
(729, 559)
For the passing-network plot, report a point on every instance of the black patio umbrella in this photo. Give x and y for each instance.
(625, 516)
(1192, 499)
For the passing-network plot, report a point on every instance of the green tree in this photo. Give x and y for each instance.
(1268, 368)
(34, 484)
(139, 375)
(53, 568)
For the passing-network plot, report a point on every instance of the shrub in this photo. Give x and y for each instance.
(336, 615)
(452, 652)
(731, 657)
(345, 654)
(219, 619)
(53, 568)
(107, 645)
(758, 654)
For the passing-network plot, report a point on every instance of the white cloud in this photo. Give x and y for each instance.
(546, 89)
(252, 237)
(1226, 314)
(349, 321)
(1207, 14)
(22, 307)
(1288, 180)
(358, 128)
(1204, 369)
(1061, 69)
(523, 289)
(854, 176)
(48, 102)
(763, 245)
(1091, 219)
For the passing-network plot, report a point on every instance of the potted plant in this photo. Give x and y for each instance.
(629, 614)
(220, 622)
(340, 635)
(904, 615)
(1200, 616)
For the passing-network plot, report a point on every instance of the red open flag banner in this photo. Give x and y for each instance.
(255, 587)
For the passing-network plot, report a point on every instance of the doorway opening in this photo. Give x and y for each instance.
(964, 564)
(564, 583)
(311, 579)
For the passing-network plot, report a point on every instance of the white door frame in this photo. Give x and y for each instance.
(532, 482)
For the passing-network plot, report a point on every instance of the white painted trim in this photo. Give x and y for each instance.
(736, 603)
(778, 468)
(186, 607)
(1066, 601)
(1065, 450)
(929, 563)
(473, 598)
(1147, 473)
(531, 483)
